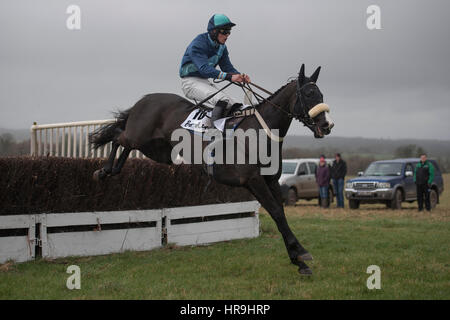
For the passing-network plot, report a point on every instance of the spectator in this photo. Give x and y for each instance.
(423, 177)
(338, 172)
(323, 180)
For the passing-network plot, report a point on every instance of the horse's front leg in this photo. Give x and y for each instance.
(275, 188)
(263, 193)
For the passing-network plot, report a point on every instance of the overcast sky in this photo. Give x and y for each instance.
(389, 83)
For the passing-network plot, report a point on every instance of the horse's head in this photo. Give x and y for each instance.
(309, 107)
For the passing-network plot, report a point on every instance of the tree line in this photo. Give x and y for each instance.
(9, 146)
(355, 162)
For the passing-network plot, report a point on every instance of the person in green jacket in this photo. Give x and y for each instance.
(423, 177)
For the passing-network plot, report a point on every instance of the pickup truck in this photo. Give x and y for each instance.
(298, 180)
(390, 182)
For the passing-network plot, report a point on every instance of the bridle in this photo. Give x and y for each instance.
(303, 116)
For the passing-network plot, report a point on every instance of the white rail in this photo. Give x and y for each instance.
(70, 139)
(95, 233)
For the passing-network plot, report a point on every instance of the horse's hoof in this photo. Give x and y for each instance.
(305, 271)
(95, 175)
(305, 257)
(98, 175)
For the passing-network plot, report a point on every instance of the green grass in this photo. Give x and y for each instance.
(411, 248)
(413, 255)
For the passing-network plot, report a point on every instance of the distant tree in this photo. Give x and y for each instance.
(420, 151)
(407, 151)
(22, 148)
(291, 153)
(9, 147)
(6, 144)
(356, 163)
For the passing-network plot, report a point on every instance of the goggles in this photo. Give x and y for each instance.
(225, 31)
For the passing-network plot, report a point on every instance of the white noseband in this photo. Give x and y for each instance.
(321, 107)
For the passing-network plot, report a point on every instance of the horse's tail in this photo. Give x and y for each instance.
(109, 132)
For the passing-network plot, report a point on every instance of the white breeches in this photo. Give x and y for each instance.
(198, 89)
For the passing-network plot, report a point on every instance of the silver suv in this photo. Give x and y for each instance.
(298, 180)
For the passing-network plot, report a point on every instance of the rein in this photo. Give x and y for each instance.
(200, 104)
(305, 117)
(262, 89)
(256, 95)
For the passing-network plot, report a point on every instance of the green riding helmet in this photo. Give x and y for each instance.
(218, 21)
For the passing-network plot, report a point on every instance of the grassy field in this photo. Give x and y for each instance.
(412, 250)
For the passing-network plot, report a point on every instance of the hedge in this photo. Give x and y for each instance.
(56, 185)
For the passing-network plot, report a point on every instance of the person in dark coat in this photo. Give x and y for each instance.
(423, 177)
(323, 181)
(338, 173)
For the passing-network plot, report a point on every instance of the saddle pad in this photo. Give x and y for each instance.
(199, 120)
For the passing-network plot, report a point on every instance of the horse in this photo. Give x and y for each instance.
(149, 124)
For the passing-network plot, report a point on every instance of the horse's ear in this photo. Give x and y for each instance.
(301, 74)
(315, 75)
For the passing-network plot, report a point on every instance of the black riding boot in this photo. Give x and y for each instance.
(218, 111)
(235, 107)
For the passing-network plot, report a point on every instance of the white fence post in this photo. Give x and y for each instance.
(33, 140)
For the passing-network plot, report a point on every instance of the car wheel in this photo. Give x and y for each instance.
(291, 197)
(433, 199)
(353, 204)
(396, 202)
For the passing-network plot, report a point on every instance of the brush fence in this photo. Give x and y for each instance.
(71, 139)
(23, 237)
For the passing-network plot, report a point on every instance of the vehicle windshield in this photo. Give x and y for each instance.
(384, 169)
(289, 167)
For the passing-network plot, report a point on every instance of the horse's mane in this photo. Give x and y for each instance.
(277, 92)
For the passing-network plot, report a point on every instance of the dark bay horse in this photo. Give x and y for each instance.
(149, 124)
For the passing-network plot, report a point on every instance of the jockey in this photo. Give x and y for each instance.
(199, 63)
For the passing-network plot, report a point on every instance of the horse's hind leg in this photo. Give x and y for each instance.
(121, 161)
(107, 169)
(109, 165)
